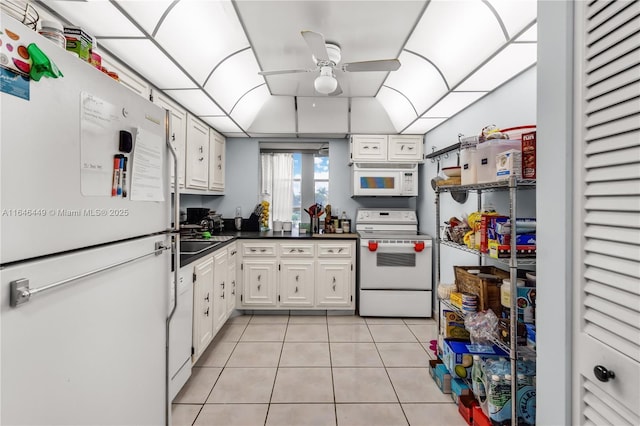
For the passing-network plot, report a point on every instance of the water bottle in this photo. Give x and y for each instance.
(477, 379)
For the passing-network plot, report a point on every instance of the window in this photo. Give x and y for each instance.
(293, 180)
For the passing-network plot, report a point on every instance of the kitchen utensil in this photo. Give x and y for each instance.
(434, 181)
(451, 171)
(459, 196)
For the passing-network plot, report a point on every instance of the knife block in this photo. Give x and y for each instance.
(253, 223)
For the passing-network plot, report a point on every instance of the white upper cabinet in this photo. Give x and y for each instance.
(197, 158)
(177, 133)
(127, 77)
(387, 148)
(216, 160)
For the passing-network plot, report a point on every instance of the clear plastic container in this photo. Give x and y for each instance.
(485, 158)
(54, 31)
(468, 166)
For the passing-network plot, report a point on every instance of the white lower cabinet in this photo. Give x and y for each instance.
(230, 288)
(203, 289)
(298, 275)
(220, 272)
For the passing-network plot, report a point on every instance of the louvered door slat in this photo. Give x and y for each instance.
(611, 143)
(627, 316)
(628, 46)
(611, 279)
(627, 124)
(614, 112)
(613, 219)
(612, 264)
(614, 203)
(596, 8)
(606, 336)
(627, 93)
(608, 174)
(593, 414)
(624, 251)
(616, 188)
(615, 405)
(617, 81)
(631, 236)
(618, 19)
(614, 325)
(613, 158)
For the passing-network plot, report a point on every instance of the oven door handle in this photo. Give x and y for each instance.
(373, 245)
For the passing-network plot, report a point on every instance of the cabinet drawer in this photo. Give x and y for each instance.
(296, 250)
(334, 250)
(258, 249)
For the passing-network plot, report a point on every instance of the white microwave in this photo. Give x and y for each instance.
(388, 180)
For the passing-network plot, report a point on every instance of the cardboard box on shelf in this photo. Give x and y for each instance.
(465, 407)
(529, 155)
(459, 388)
(454, 326)
(458, 356)
(443, 378)
(78, 42)
(433, 363)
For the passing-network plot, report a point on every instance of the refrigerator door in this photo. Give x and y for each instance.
(91, 351)
(57, 160)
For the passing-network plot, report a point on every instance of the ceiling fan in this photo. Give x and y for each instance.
(327, 57)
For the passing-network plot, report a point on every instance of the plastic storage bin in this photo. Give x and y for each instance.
(485, 157)
(468, 174)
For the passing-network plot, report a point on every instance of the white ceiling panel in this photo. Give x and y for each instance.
(196, 101)
(369, 116)
(456, 36)
(418, 80)
(147, 13)
(515, 15)
(222, 124)
(233, 78)
(512, 60)
(531, 35)
(98, 18)
(246, 109)
(149, 61)
(323, 115)
(400, 110)
(200, 34)
(453, 103)
(278, 115)
(423, 125)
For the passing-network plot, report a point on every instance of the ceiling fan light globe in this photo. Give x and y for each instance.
(325, 84)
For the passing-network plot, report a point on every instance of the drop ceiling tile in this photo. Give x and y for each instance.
(247, 107)
(456, 41)
(323, 115)
(530, 35)
(398, 107)
(418, 80)
(369, 116)
(233, 78)
(512, 60)
(423, 125)
(147, 17)
(195, 101)
(222, 124)
(515, 15)
(453, 103)
(278, 115)
(98, 18)
(149, 61)
(200, 34)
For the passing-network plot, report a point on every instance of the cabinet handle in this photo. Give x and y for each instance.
(220, 157)
(253, 250)
(401, 147)
(340, 250)
(410, 148)
(222, 284)
(259, 285)
(334, 280)
(201, 149)
(173, 137)
(219, 167)
(222, 295)
(233, 253)
(334, 288)
(297, 278)
(292, 250)
(259, 276)
(296, 289)
(330, 250)
(300, 251)
(206, 312)
(233, 292)
(207, 298)
(201, 159)
(375, 147)
(365, 147)
(262, 250)
(233, 283)
(603, 374)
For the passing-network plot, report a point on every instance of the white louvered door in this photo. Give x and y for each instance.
(607, 213)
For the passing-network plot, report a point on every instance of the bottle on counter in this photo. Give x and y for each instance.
(345, 223)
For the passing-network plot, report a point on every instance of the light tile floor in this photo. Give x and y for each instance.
(276, 370)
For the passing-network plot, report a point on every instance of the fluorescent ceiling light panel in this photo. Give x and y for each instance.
(418, 80)
(456, 36)
(222, 124)
(515, 14)
(248, 107)
(323, 115)
(144, 57)
(146, 13)
(423, 125)
(453, 103)
(397, 106)
(369, 116)
(98, 18)
(195, 101)
(505, 65)
(530, 35)
(200, 34)
(233, 78)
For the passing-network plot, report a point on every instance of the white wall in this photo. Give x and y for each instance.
(513, 104)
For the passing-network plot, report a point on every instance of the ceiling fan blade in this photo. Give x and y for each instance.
(283, 72)
(380, 65)
(316, 44)
(337, 91)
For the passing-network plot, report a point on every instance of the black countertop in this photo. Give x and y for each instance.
(186, 259)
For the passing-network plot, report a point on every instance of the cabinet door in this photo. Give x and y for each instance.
(296, 282)
(220, 271)
(259, 283)
(197, 160)
(216, 161)
(202, 306)
(230, 288)
(177, 133)
(408, 148)
(127, 77)
(333, 283)
(369, 148)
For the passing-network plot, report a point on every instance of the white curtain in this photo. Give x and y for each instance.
(277, 181)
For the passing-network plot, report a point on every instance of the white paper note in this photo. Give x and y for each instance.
(147, 166)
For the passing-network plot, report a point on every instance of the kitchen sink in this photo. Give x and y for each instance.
(195, 247)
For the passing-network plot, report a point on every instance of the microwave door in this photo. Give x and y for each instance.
(377, 182)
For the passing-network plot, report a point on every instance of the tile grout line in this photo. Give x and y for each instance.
(284, 337)
(333, 383)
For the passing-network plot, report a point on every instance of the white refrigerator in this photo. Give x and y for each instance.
(85, 275)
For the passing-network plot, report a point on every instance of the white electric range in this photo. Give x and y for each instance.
(395, 264)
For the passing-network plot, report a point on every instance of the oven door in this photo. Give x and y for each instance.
(395, 264)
